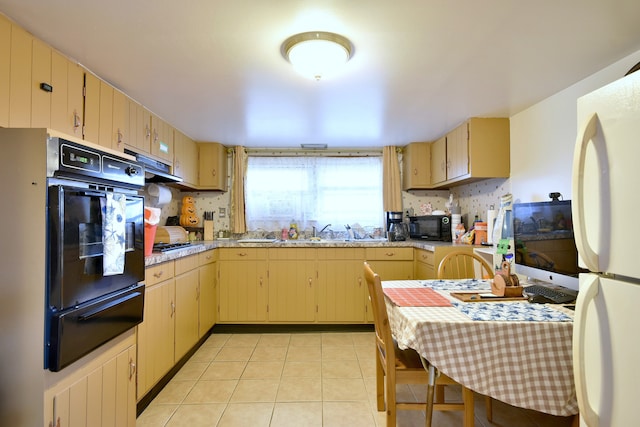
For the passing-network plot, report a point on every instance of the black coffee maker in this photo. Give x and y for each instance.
(396, 229)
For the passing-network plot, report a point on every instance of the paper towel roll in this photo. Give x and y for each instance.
(159, 195)
(492, 214)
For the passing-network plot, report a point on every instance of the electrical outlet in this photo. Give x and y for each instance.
(222, 212)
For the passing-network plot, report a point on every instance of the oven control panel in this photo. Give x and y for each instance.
(72, 160)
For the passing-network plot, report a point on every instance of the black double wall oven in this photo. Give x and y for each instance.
(95, 250)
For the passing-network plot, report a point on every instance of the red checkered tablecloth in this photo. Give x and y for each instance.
(524, 363)
(416, 297)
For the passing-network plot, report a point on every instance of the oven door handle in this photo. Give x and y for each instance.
(90, 193)
(111, 304)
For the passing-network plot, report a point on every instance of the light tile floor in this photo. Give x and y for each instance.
(298, 379)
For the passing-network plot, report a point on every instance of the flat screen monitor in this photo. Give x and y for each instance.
(545, 247)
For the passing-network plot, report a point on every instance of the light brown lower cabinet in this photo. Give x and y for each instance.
(180, 307)
(302, 285)
(391, 263)
(101, 392)
(243, 285)
(187, 295)
(427, 262)
(292, 285)
(156, 334)
(342, 294)
(208, 286)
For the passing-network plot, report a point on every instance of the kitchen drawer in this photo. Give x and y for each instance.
(207, 257)
(158, 273)
(341, 253)
(243, 254)
(428, 257)
(187, 263)
(292, 254)
(389, 254)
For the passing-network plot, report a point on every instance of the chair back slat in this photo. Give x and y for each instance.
(464, 265)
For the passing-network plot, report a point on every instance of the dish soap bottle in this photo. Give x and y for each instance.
(293, 230)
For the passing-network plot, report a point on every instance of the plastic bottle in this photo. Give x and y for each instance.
(293, 230)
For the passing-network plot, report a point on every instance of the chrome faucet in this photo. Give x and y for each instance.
(315, 232)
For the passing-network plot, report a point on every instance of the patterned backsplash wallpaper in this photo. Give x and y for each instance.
(474, 199)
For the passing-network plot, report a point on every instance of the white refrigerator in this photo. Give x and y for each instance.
(606, 204)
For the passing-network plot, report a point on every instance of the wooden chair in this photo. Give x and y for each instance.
(465, 265)
(395, 366)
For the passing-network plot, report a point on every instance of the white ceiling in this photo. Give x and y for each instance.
(213, 68)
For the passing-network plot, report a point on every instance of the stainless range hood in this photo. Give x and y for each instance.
(154, 170)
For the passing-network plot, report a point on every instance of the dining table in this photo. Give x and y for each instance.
(507, 348)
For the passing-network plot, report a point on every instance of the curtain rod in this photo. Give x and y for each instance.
(334, 152)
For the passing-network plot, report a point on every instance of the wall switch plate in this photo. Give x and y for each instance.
(222, 212)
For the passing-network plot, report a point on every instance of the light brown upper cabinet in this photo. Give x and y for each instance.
(185, 161)
(477, 149)
(416, 166)
(439, 160)
(120, 131)
(41, 75)
(5, 68)
(20, 78)
(212, 169)
(91, 118)
(67, 97)
(161, 139)
(139, 128)
(105, 123)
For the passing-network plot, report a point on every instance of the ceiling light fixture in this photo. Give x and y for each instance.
(317, 53)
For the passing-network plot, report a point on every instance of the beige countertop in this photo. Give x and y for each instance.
(201, 246)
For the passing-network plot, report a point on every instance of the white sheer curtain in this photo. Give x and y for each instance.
(313, 191)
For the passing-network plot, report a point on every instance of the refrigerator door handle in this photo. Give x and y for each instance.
(588, 291)
(588, 255)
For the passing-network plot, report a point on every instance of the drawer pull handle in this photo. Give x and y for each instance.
(389, 254)
(158, 274)
(242, 254)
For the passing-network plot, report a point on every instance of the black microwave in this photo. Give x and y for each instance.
(430, 227)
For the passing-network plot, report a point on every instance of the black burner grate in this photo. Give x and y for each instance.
(166, 247)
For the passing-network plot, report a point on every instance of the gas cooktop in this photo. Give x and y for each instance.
(166, 247)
